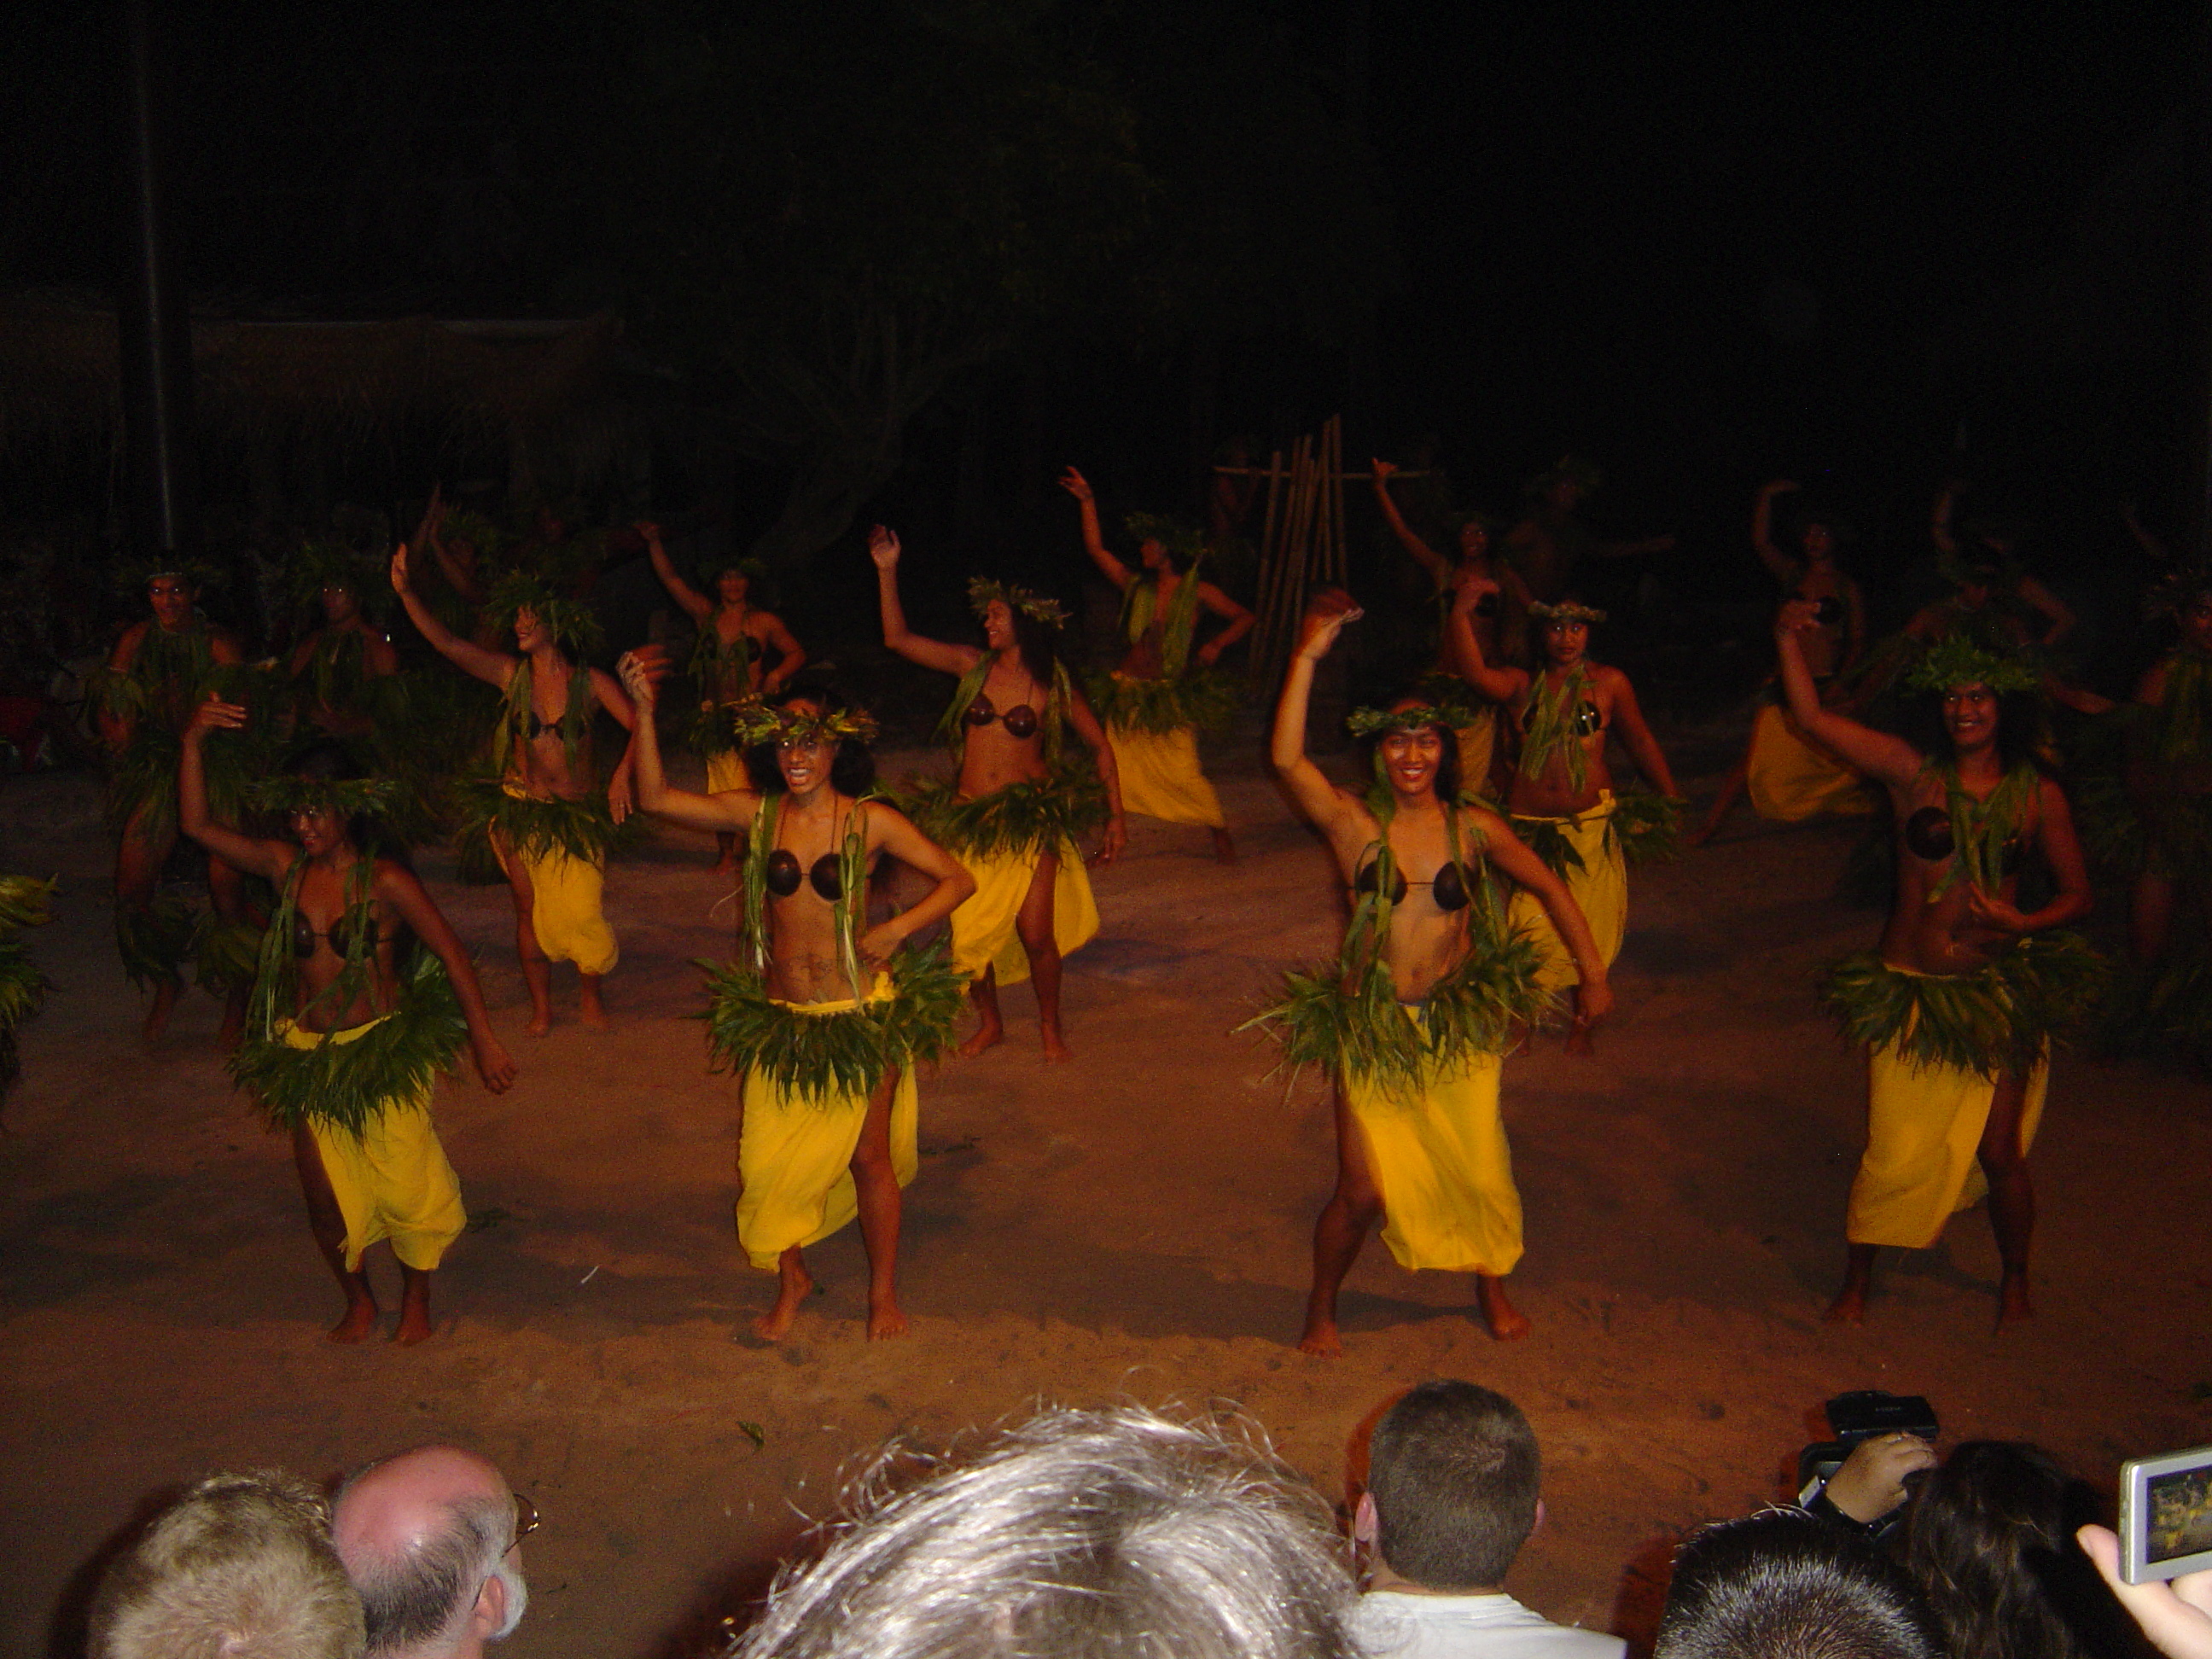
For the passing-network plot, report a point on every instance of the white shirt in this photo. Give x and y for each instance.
(1391, 1625)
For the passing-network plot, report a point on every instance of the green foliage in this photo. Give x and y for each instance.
(345, 1086)
(22, 988)
(155, 942)
(1205, 700)
(584, 830)
(1995, 1019)
(226, 956)
(822, 1057)
(1019, 818)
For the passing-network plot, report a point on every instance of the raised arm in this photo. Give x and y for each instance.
(1429, 559)
(1499, 685)
(1784, 567)
(1238, 622)
(883, 549)
(266, 859)
(1635, 737)
(791, 657)
(2058, 621)
(731, 810)
(696, 604)
(1086, 725)
(1513, 859)
(398, 887)
(459, 577)
(1333, 813)
(493, 667)
(898, 838)
(1094, 543)
(1893, 761)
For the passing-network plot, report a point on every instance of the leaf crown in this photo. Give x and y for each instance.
(982, 590)
(1955, 659)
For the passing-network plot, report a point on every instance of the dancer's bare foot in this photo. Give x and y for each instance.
(541, 1021)
(885, 1320)
(589, 1009)
(1579, 1042)
(1848, 1309)
(793, 1283)
(1321, 1338)
(1507, 1322)
(414, 1327)
(157, 1017)
(359, 1320)
(725, 865)
(989, 1035)
(1224, 849)
(2014, 1304)
(1056, 1046)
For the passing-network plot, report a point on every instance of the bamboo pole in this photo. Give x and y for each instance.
(1290, 554)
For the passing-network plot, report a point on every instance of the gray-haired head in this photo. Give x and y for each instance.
(239, 1567)
(428, 1539)
(1112, 1533)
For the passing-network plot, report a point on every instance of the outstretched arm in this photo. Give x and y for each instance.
(915, 850)
(1762, 533)
(883, 549)
(1510, 855)
(398, 887)
(1079, 715)
(266, 859)
(1094, 543)
(493, 667)
(1239, 621)
(1893, 761)
(1500, 686)
(1428, 558)
(731, 810)
(2058, 621)
(1333, 811)
(619, 799)
(696, 604)
(1635, 737)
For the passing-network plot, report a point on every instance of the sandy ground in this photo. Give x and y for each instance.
(1133, 1225)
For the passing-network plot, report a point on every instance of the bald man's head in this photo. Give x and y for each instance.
(427, 1538)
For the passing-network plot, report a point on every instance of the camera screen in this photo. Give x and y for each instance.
(2180, 1519)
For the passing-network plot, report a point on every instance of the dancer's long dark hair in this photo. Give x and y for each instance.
(2020, 728)
(852, 770)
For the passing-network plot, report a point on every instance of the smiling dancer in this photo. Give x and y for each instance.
(1013, 815)
(823, 1018)
(1958, 1005)
(730, 664)
(1431, 987)
(1154, 702)
(549, 821)
(1562, 800)
(344, 1043)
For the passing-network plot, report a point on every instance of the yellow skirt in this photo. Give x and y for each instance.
(795, 1154)
(1923, 1132)
(564, 907)
(1441, 1162)
(1790, 778)
(1599, 887)
(983, 935)
(1161, 779)
(726, 771)
(392, 1182)
(1476, 745)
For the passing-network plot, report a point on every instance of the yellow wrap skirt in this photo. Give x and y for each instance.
(1599, 887)
(392, 1182)
(1790, 778)
(1924, 1125)
(726, 771)
(795, 1154)
(565, 910)
(983, 934)
(1160, 776)
(1441, 1163)
(1476, 743)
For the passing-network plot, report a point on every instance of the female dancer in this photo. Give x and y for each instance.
(345, 1045)
(1429, 991)
(728, 665)
(1010, 819)
(1562, 798)
(548, 823)
(1958, 1006)
(1154, 704)
(823, 1018)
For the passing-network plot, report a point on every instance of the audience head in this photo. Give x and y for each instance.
(428, 1539)
(1452, 1474)
(1107, 1533)
(1989, 1537)
(239, 1567)
(1788, 1585)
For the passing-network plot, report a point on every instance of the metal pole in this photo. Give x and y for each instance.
(161, 470)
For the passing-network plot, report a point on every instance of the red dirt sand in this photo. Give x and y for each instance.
(1136, 1223)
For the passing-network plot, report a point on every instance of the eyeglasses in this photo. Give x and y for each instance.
(526, 1518)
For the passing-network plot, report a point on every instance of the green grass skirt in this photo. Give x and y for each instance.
(1995, 1019)
(1203, 699)
(345, 1086)
(822, 1057)
(1019, 818)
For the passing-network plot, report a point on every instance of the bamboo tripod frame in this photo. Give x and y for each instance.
(1301, 543)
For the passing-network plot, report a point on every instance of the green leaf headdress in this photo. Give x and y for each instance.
(329, 562)
(982, 590)
(758, 722)
(1958, 659)
(131, 575)
(288, 792)
(1369, 722)
(1568, 611)
(1182, 542)
(574, 628)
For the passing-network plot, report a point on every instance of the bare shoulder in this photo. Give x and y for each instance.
(223, 646)
(1610, 680)
(126, 645)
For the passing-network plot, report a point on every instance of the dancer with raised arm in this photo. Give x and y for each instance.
(730, 663)
(550, 823)
(1958, 1005)
(1561, 800)
(1164, 690)
(1015, 813)
(1431, 986)
(348, 1030)
(160, 670)
(822, 1017)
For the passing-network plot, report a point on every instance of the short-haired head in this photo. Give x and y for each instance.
(1788, 1585)
(239, 1567)
(427, 1538)
(1454, 1472)
(1119, 1533)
